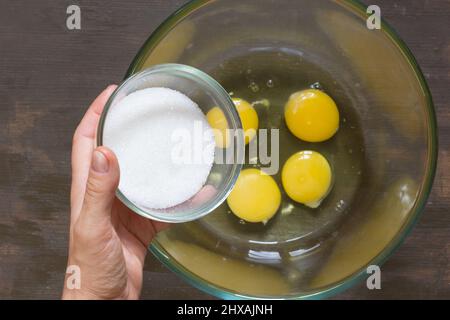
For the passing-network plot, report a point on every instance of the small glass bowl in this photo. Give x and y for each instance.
(207, 93)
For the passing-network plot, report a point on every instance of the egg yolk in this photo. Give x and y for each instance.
(255, 196)
(218, 122)
(311, 115)
(306, 178)
(249, 118)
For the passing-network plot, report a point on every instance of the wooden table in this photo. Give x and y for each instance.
(49, 75)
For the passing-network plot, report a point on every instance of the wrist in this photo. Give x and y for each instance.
(72, 283)
(77, 294)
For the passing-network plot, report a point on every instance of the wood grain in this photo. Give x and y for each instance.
(49, 75)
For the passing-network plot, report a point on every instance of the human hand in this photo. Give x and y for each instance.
(108, 242)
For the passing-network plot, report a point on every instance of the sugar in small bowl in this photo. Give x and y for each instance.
(171, 169)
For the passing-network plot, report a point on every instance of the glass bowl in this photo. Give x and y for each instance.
(264, 44)
(207, 93)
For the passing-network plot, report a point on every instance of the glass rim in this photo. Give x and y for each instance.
(359, 9)
(220, 92)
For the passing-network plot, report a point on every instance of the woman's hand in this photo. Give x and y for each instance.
(108, 242)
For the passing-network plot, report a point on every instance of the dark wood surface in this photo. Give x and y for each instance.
(49, 75)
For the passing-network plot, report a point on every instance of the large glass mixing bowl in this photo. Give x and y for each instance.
(374, 78)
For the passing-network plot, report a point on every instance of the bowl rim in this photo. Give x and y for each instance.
(199, 75)
(425, 189)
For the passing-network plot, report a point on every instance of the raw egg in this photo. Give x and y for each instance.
(255, 196)
(307, 177)
(249, 118)
(311, 115)
(218, 122)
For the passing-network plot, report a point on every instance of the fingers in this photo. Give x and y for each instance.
(159, 226)
(83, 144)
(141, 228)
(205, 194)
(101, 187)
(88, 124)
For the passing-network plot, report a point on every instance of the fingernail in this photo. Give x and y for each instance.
(99, 162)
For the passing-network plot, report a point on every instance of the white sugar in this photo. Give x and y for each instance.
(144, 130)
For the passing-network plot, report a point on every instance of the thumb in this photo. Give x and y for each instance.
(101, 185)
